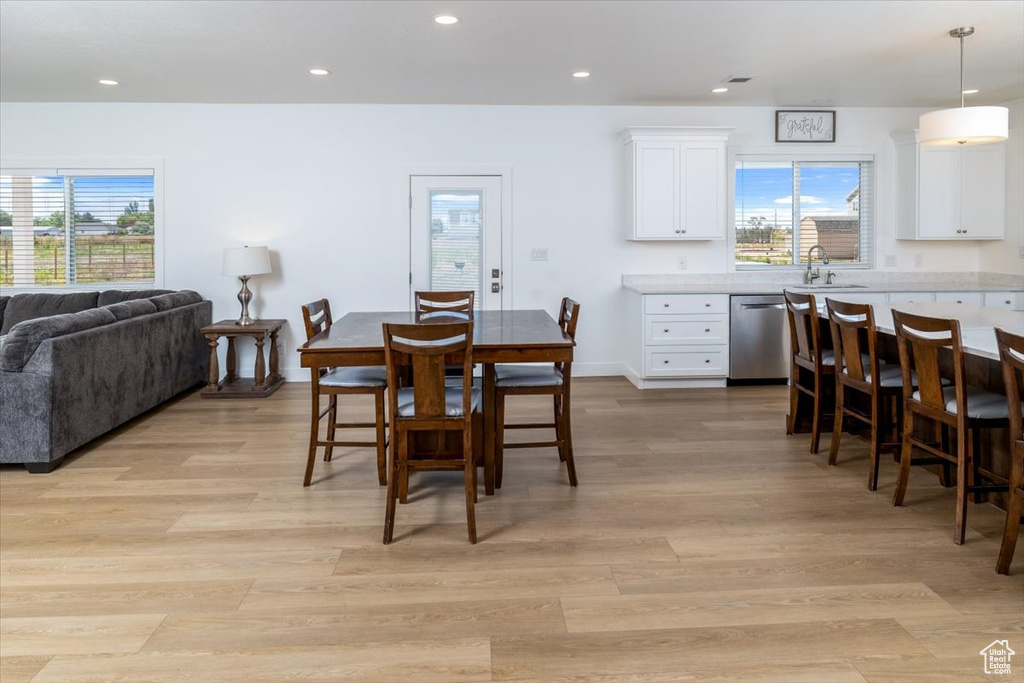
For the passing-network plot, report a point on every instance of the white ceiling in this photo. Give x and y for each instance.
(825, 53)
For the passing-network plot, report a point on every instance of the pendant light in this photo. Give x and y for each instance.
(964, 125)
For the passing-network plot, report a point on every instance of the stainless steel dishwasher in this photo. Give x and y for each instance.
(758, 339)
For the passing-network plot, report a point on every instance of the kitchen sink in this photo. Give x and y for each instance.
(834, 285)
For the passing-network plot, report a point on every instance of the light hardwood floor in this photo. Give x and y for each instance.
(701, 545)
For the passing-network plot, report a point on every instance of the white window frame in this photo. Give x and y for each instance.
(64, 166)
(798, 153)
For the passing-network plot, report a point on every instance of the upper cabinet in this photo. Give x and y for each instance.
(949, 193)
(675, 183)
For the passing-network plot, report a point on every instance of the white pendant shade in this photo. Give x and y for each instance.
(964, 126)
(241, 261)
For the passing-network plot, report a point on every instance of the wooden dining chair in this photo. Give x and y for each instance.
(810, 365)
(923, 342)
(1011, 353)
(343, 381)
(441, 303)
(858, 369)
(531, 380)
(420, 401)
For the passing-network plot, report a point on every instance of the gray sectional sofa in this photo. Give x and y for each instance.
(74, 366)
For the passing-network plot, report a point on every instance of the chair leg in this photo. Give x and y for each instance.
(499, 438)
(332, 420)
(946, 479)
(793, 399)
(876, 440)
(816, 420)
(382, 476)
(469, 475)
(963, 466)
(837, 428)
(314, 432)
(389, 513)
(566, 419)
(1013, 511)
(906, 451)
(559, 437)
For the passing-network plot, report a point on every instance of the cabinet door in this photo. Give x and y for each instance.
(702, 192)
(657, 190)
(938, 180)
(896, 298)
(1009, 301)
(982, 202)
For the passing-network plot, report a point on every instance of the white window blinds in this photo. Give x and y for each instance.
(77, 227)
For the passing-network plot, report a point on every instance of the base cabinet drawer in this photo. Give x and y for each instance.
(687, 361)
(659, 304)
(969, 298)
(911, 297)
(1008, 301)
(690, 329)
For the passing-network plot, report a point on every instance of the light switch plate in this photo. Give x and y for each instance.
(538, 254)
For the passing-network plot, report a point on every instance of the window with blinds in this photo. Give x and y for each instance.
(783, 207)
(73, 228)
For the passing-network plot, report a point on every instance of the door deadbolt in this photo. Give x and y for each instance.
(495, 273)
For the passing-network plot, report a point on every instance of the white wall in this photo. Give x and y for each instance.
(1007, 256)
(322, 186)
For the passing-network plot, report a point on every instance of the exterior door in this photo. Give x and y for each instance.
(456, 235)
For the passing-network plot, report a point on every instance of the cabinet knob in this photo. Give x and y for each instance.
(707, 360)
(707, 329)
(707, 305)
(665, 362)
(677, 232)
(1007, 302)
(665, 305)
(682, 230)
(959, 302)
(666, 330)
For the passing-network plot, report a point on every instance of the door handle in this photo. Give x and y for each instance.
(747, 307)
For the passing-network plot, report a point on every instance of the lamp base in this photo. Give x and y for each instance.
(244, 297)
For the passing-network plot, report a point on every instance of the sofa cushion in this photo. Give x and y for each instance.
(116, 296)
(166, 302)
(131, 309)
(24, 307)
(25, 338)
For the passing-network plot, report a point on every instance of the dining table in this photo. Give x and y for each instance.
(505, 336)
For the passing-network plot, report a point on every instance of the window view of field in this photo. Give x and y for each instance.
(110, 236)
(455, 220)
(783, 208)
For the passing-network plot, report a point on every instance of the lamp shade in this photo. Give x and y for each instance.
(964, 126)
(239, 261)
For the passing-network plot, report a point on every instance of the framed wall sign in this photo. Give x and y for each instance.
(805, 126)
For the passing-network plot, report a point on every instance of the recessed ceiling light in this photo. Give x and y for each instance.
(108, 81)
(719, 90)
(975, 91)
(446, 19)
(319, 72)
(581, 74)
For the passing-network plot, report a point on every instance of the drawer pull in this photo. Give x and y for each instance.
(707, 329)
(666, 330)
(707, 305)
(665, 362)
(707, 360)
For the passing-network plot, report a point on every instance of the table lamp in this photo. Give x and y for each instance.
(244, 262)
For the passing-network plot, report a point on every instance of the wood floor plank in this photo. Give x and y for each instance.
(121, 598)
(749, 607)
(258, 630)
(682, 650)
(722, 673)
(956, 670)
(451, 586)
(20, 669)
(432, 661)
(964, 635)
(82, 635)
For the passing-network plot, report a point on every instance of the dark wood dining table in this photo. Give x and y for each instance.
(515, 336)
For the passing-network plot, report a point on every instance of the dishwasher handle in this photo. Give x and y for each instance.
(748, 307)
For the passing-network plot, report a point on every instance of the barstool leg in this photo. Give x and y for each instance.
(837, 429)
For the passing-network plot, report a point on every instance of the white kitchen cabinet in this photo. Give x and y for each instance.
(896, 298)
(679, 339)
(968, 298)
(1009, 301)
(949, 193)
(675, 180)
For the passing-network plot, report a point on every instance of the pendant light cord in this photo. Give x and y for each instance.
(961, 70)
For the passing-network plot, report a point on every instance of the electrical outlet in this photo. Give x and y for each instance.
(538, 254)
(890, 261)
(919, 260)
(681, 263)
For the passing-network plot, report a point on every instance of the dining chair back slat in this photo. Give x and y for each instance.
(316, 316)
(445, 302)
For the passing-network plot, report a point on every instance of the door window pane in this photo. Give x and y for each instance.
(455, 240)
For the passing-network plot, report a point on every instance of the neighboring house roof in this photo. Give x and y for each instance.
(854, 193)
(834, 222)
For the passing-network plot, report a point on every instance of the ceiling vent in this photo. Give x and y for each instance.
(738, 79)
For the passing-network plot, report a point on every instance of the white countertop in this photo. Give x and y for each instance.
(777, 287)
(774, 283)
(977, 325)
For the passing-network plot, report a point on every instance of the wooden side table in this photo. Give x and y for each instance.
(232, 386)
